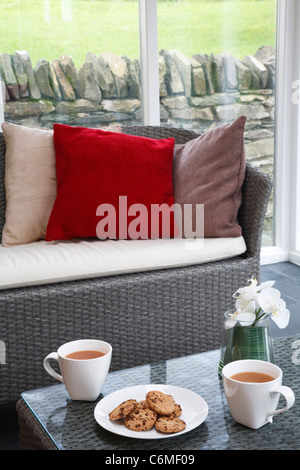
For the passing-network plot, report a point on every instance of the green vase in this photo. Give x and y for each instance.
(246, 342)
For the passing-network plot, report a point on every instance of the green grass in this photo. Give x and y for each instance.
(239, 27)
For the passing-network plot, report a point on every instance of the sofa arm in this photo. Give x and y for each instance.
(256, 192)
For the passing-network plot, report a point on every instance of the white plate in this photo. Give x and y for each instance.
(194, 409)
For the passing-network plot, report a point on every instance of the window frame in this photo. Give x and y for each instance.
(287, 151)
(149, 62)
(286, 224)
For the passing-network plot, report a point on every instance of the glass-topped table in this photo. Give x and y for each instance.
(66, 425)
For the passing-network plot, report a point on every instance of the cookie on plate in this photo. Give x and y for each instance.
(178, 410)
(176, 413)
(142, 418)
(169, 424)
(160, 402)
(122, 409)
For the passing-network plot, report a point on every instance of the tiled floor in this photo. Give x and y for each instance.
(287, 281)
(287, 277)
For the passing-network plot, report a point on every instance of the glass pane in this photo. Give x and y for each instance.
(70, 61)
(217, 62)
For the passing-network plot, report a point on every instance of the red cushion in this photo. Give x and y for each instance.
(95, 167)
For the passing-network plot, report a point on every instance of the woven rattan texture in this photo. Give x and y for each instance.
(72, 424)
(146, 316)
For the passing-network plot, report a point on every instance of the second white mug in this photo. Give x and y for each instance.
(254, 404)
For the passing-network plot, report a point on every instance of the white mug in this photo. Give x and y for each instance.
(83, 378)
(254, 404)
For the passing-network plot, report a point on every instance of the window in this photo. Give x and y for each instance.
(73, 62)
(189, 63)
(287, 213)
(217, 62)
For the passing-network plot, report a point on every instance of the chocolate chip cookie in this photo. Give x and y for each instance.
(169, 424)
(142, 418)
(176, 413)
(160, 402)
(122, 409)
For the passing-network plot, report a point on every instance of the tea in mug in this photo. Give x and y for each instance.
(80, 355)
(255, 377)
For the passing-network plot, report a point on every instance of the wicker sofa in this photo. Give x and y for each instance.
(147, 316)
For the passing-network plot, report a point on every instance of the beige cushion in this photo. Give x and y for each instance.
(30, 183)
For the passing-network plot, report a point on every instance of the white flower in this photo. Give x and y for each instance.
(271, 303)
(255, 301)
(245, 317)
(250, 293)
(247, 292)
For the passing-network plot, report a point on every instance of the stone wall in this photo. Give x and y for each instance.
(198, 93)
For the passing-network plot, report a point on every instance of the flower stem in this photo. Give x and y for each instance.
(259, 315)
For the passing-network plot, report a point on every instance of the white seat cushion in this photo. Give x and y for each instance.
(49, 262)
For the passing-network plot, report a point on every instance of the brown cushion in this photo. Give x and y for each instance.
(210, 170)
